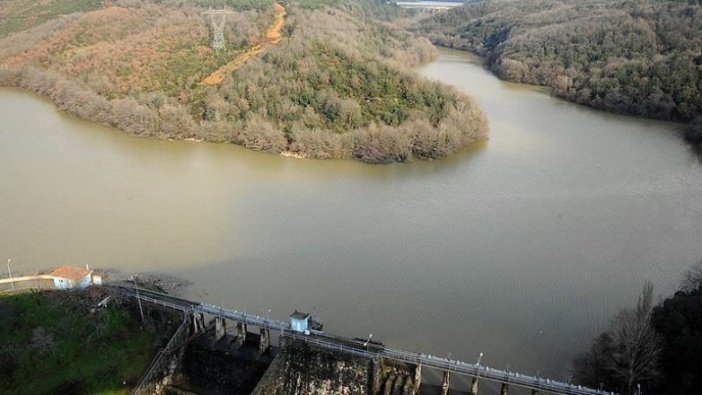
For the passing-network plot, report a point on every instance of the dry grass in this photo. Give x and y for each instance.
(121, 51)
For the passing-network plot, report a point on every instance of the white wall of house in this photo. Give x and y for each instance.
(86, 281)
(298, 325)
(65, 283)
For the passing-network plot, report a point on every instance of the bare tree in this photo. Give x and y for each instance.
(692, 279)
(639, 345)
(628, 353)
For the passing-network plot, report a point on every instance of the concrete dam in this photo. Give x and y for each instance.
(217, 350)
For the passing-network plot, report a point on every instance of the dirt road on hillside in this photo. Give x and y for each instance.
(274, 34)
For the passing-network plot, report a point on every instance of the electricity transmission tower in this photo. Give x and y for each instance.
(218, 18)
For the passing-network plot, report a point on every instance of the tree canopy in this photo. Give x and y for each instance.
(658, 348)
(634, 57)
(334, 83)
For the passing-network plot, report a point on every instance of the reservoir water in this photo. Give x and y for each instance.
(521, 247)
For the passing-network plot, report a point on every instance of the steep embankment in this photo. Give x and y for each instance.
(308, 80)
(632, 57)
(103, 350)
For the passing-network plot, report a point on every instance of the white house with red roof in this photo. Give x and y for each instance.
(69, 277)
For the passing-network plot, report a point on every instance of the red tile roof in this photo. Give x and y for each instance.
(70, 272)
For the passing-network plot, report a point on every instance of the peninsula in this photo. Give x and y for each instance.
(633, 57)
(305, 78)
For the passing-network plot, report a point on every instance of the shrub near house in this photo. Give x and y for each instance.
(51, 343)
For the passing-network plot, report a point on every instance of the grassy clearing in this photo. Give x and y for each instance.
(50, 343)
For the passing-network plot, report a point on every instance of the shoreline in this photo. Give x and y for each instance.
(394, 116)
(337, 141)
(545, 89)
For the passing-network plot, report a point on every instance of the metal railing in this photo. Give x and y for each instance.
(359, 348)
(156, 365)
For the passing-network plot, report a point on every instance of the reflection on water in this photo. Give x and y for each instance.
(521, 247)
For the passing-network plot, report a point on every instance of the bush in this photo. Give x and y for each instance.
(694, 131)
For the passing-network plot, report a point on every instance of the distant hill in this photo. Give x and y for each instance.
(313, 78)
(633, 57)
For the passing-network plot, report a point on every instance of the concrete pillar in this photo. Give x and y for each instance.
(240, 333)
(200, 317)
(265, 340)
(445, 383)
(389, 381)
(194, 321)
(474, 386)
(220, 328)
(399, 385)
(504, 388)
(408, 387)
(198, 322)
(417, 379)
(376, 376)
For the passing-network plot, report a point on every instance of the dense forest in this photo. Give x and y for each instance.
(639, 57)
(651, 349)
(331, 80)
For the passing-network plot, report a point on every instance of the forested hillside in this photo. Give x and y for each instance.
(330, 81)
(639, 57)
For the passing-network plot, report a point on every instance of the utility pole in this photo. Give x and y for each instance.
(475, 382)
(370, 335)
(218, 19)
(136, 289)
(9, 272)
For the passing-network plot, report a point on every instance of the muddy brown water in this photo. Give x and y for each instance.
(520, 248)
